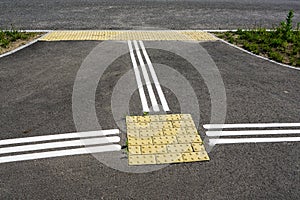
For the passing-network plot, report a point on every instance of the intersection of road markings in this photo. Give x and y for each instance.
(94, 142)
(139, 46)
(215, 130)
(163, 142)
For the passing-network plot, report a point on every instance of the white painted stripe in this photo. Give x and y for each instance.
(155, 79)
(251, 132)
(60, 136)
(59, 153)
(146, 77)
(252, 140)
(138, 79)
(52, 145)
(254, 125)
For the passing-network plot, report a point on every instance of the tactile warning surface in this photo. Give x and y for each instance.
(128, 35)
(161, 139)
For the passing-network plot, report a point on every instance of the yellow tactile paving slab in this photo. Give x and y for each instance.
(191, 35)
(134, 150)
(142, 159)
(194, 156)
(161, 139)
(169, 158)
(197, 147)
(183, 139)
(179, 148)
(154, 149)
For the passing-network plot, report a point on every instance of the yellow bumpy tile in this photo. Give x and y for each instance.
(179, 148)
(169, 158)
(128, 35)
(141, 159)
(161, 139)
(134, 150)
(164, 140)
(154, 149)
(139, 141)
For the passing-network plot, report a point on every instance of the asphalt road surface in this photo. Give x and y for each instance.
(37, 85)
(142, 14)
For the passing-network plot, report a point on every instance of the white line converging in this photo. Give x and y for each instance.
(93, 142)
(215, 130)
(146, 78)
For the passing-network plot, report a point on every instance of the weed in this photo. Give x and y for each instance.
(9, 36)
(282, 44)
(145, 113)
(126, 144)
(276, 56)
(251, 47)
(298, 63)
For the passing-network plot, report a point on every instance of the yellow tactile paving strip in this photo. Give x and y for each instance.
(128, 35)
(161, 139)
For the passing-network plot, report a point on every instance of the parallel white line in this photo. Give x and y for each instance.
(251, 132)
(254, 125)
(60, 136)
(138, 79)
(146, 77)
(59, 153)
(252, 140)
(155, 79)
(52, 145)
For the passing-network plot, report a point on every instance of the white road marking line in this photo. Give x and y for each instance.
(138, 79)
(52, 145)
(250, 132)
(60, 153)
(59, 136)
(254, 125)
(155, 79)
(146, 77)
(252, 140)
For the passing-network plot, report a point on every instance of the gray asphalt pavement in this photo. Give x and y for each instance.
(36, 86)
(142, 14)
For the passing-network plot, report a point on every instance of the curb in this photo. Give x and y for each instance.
(21, 47)
(258, 56)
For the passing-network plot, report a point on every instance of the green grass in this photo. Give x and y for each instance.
(8, 37)
(281, 44)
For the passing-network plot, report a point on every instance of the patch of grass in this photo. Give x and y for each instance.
(282, 44)
(9, 38)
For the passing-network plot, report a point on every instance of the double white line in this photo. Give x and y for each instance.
(94, 142)
(215, 130)
(146, 78)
